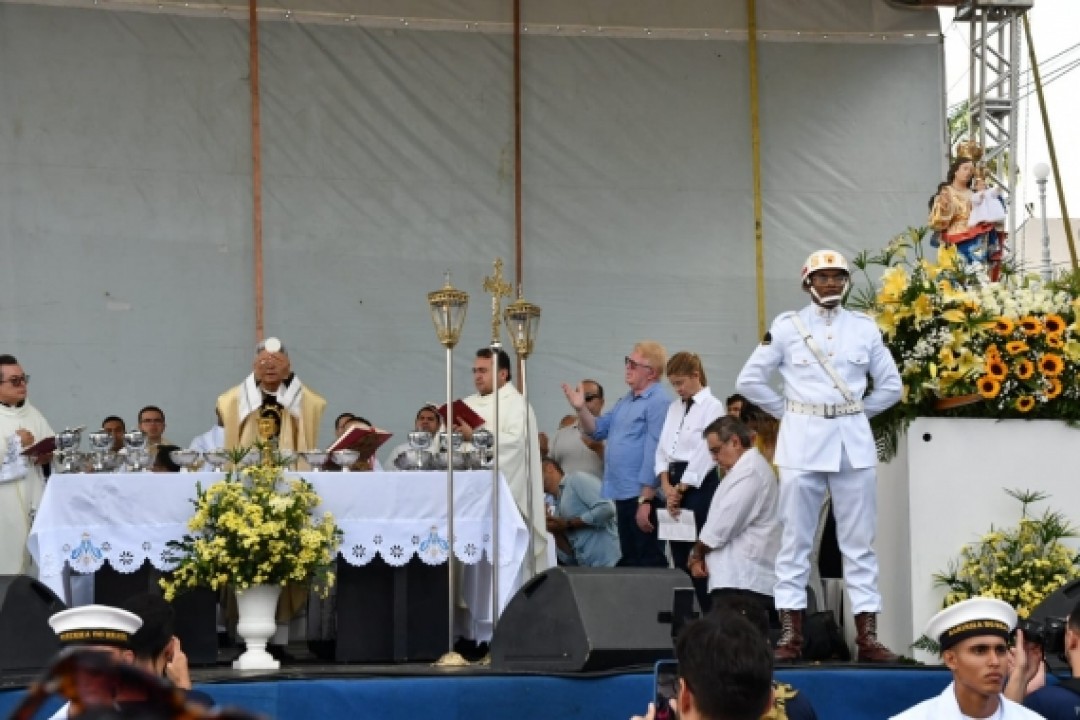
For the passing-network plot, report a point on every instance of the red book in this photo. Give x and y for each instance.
(365, 439)
(464, 413)
(41, 447)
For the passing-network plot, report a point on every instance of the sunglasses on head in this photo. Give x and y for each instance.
(79, 669)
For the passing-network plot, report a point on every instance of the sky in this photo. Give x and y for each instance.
(1053, 27)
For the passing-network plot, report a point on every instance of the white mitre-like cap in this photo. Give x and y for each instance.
(95, 625)
(970, 618)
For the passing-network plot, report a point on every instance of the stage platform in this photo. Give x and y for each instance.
(412, 692)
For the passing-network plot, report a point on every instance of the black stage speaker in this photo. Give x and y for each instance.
(570, 619)
(26, 640)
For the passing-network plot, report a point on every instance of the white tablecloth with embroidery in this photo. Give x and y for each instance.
(124, 519)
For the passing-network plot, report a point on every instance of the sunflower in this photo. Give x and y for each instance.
(1004, 326)
(1053, 324)
(1051, 365)
(1030, 325)
(993, 352)
(1025, 403)
(1025, 369)
(988, 387)
(1015, 347)
(1054, 390)
(1055, 341)
(995, 368)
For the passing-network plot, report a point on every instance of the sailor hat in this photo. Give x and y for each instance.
(971, 618)
(95, 625)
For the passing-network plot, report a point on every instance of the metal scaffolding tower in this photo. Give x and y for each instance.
(993, 89)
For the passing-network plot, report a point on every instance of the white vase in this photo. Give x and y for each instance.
(258, 606)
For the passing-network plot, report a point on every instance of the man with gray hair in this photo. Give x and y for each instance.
(272, 397)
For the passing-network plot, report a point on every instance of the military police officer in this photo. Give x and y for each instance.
(825, 354)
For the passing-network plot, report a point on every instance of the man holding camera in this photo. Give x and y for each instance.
(1051, 701)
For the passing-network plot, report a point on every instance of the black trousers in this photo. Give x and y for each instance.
(639, 549)
(698, 501)
(720, 595)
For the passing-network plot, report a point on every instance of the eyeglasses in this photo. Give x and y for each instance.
(80, 669)
(633, 365)
(591, 397)
(17, 381)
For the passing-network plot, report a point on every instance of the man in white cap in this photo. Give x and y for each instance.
(973, 636)
(96, 627)
(825, 354)
(272, 391)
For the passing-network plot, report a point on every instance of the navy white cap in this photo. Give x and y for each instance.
(971, 618)
(95, 625)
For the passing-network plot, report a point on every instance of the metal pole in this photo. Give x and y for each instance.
(1047, 270)
(1067, 223)
(496, 347)
(755, 163)
(452, 586)
(528, 471)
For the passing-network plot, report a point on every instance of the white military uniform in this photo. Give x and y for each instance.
(945, 707)
(816, 452)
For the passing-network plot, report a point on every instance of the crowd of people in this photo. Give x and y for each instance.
(754, 472)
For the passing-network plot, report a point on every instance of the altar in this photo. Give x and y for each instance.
(88, 520)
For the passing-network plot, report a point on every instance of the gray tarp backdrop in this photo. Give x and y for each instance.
(125, 196)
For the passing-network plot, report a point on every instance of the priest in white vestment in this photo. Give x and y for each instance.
(21, 480)
(272, 386)
(523, 478)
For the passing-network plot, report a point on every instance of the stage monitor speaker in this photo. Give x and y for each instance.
(26, 640)
(1057, 606)
(571, 619)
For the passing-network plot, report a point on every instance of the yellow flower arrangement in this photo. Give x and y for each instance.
(997, 347)
(254, 527)
(1021, 565)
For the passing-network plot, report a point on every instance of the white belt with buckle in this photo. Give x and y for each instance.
(825, 411)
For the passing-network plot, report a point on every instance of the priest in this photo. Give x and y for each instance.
(272, 389)
(21, 479)
(522, 473)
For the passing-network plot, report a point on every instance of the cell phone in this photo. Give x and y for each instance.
(666, 688)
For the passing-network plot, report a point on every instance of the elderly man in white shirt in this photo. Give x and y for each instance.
(738, 544)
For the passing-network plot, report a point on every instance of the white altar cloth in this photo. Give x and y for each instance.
(86, 520)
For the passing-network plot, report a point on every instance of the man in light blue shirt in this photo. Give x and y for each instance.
(582, 522)
(631, 431)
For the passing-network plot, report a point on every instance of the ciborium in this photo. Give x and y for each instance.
(316, 459)
(67, 450)
(101, 442)
(135, 444)
(344, 458)
(216, 459)
(188, 460)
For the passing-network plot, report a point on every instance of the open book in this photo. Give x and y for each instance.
(364, 439)
(463, 412)
(41, 447)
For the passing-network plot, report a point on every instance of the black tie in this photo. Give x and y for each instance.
(689, 402)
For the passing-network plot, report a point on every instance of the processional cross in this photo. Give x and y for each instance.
(497, 286)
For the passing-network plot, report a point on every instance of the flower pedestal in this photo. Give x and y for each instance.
(944, 489)
(257, 606)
